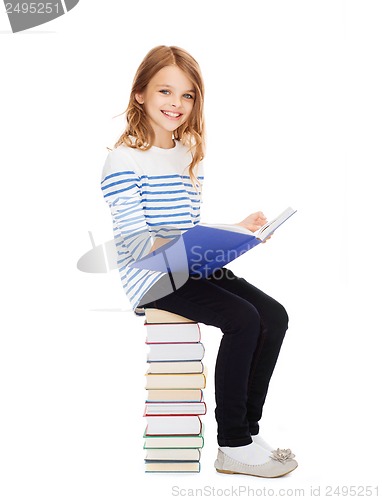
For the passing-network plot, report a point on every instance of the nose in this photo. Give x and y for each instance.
(176, 102)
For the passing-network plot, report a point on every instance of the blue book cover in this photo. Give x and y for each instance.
(204, 248)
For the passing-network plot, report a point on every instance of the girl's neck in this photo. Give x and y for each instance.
(162, 138)
(162, 143)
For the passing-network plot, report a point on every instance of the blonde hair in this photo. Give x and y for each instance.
(190, 133)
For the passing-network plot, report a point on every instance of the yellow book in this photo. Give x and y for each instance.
(160, 316)
(175, 380)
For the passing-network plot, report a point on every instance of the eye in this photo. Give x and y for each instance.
(164, 91)
(188, 96)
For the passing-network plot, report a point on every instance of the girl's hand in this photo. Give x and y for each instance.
(254, 221)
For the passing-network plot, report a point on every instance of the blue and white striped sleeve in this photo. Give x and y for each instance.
(120, 186)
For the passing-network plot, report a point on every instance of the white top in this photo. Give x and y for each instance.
(150, 195)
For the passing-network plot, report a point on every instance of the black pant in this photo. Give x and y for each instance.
(253, 326)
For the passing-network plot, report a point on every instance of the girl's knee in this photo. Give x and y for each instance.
(277, 322)
(281, 316)
(241, 319)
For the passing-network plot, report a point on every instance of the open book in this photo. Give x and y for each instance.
(206, 247)
(264, 232)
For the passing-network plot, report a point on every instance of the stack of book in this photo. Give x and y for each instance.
(175, 378)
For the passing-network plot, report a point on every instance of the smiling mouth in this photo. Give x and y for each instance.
(171, 115)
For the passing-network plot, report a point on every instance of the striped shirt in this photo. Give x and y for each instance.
(150, 195)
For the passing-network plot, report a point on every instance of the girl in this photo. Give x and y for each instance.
(152, 183)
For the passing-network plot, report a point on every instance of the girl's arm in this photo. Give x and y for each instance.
(120, 188)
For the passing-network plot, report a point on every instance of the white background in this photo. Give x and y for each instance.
(293, 111)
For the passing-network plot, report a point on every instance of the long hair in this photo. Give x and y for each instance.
(192, 132)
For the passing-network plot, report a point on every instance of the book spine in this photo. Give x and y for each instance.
(150, 410)
(168, 339)
(174, 367)
(171, 421)
(173, 381)
(174, 395)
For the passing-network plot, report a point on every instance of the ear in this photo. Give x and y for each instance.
(139, 98)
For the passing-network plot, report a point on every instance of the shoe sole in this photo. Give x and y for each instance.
(222, 471)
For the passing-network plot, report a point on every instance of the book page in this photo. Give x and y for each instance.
(271, 226)
(229, 227)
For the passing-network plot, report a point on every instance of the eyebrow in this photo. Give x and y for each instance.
(171, 87)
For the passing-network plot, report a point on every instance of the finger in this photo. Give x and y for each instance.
(258, 215)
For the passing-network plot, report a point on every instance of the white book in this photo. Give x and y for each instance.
(176, 352)
(175, 408)
(177, 454)
(172, 332)
(174, 425)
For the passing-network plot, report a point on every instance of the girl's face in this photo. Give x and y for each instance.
(168, 101)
